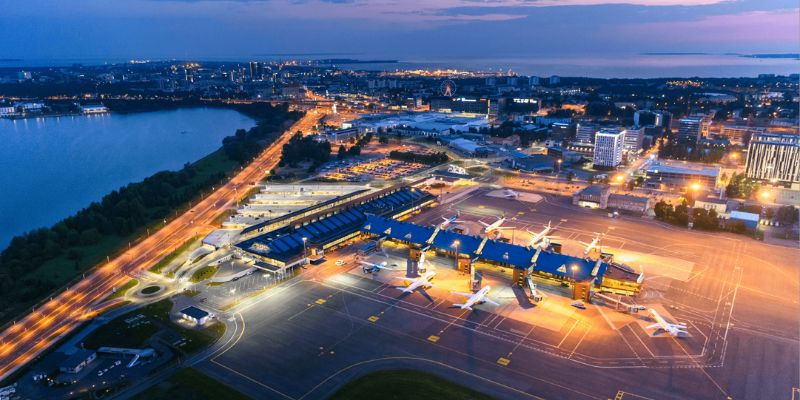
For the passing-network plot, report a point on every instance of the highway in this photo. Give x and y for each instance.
(29, 336)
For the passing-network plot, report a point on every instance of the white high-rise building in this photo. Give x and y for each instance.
(608, 146)
(774, 157)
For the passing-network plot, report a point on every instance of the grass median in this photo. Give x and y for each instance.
(405, 384)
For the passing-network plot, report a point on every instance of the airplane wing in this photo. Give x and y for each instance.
(653, 326)
(490, 301)
(463, 294)
(483, 223)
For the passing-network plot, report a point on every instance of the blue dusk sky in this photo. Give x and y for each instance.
(406, 29)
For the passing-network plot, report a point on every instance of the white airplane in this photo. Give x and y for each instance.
(661, 323)
(475, 298)
(450, 221)
(495, 226)
(595, 244)
(423, 282)
(541, 238)
(369, 268)
(510, 194)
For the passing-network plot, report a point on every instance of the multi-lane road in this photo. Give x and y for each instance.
(35, 332)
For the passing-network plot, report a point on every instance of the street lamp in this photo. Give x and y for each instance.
(305, 257)
(573, 268)
(455, 244)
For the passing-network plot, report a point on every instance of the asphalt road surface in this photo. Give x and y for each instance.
(309, 336)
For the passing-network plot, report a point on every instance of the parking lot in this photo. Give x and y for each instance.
(382, 169)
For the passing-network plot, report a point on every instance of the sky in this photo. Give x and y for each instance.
(404, 29)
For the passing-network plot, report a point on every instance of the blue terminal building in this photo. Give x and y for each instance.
(375, 218)
(583, 274)
(308, 238)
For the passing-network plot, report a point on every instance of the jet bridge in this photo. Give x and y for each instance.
(619, 303)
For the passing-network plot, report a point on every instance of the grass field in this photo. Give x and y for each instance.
(151, 289)
(204, 273)
(172, 256)
(119, 333)
(190, 384)
(405, 384)
(123, 289)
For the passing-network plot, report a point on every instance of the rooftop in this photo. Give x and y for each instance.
(683, 168)
(195, 312)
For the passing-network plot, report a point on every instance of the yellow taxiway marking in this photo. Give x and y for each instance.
(503, 361)
(372, 318)
(320, 301)
(521, 212)
(433, 338)
(481, 206)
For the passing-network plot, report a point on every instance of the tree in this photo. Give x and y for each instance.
(663, 210)
(681, 215)
(342, 153)
(570, 176)
(590, 179)
(787, 215)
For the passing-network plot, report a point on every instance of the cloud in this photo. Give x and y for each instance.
(747, 27)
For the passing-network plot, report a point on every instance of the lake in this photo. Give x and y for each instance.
(52, 167)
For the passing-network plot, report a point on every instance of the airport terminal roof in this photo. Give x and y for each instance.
(519, 257)
(286, 243)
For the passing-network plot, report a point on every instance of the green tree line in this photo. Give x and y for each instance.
(119, 215)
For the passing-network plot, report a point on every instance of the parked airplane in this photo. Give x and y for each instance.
(595, 244)
(423, 282)
(369, 268)
(450, 221)
(510, 194)
(661, 323)
(494, 226)
(541, 238)
(475, 298)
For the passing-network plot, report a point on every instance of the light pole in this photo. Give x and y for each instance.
(305, 257)
(573, 268)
